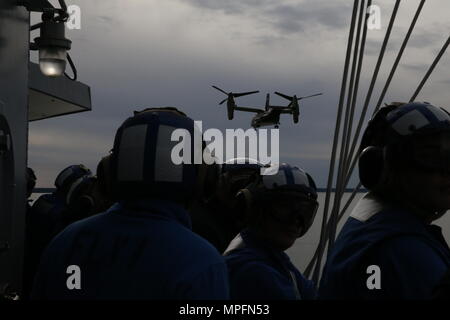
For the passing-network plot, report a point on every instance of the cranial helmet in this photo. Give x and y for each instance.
(236, 173)
(290, 185)
(31, 181)
(70, 175)
(390, 137)
(142, 163)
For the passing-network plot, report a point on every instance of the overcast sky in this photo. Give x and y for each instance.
(145, 53)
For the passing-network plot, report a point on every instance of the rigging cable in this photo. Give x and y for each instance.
(380, 100)
(346, 130)
(430, 70)
(333, 218)
(336, 136)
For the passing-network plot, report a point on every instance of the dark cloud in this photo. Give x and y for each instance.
(286, 18)
(270, 41)
(229, 6)
(373, 46)
(106, 20)
(425, 39)
(420, 39)
(134, 73)
(289, 26)
(301, 17)
(420, 68)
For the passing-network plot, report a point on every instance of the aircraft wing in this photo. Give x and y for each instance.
(249, 109)
(286, 110)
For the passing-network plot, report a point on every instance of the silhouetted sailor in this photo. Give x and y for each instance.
(31, 183)
(388, 248)
(280, 208)
(142, 247)
(216, 218)
(47, 217)
(49, 209)
(442, 290)
(29, 265)
(88, 196)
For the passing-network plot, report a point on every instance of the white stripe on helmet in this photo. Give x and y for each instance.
(414, 117)
(130, 160)
(440, 114)
(279, 179)
(62, 177)
(165, 169)
(72, 188)
(300, 177)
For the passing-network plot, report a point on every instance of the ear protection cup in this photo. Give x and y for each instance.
(311, 181)
(371, 166)
(104, 176)
(372, 157)
(223, 182)
(88, 203)
(211, 179)
(201, 177)
(244, 201)
(80, 203)
(80, 191)
(373, 135)
(69, 175)
(31, 181)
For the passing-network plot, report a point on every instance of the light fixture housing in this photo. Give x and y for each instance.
(52, 45)
(35, 5)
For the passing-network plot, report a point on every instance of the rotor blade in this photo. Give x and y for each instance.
(221, 102)
(244, 93)
(313, 95)
(284, 96)
(217, 88)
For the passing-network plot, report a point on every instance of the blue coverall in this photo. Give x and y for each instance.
(411, 256)
(260, 271)
(136, 250)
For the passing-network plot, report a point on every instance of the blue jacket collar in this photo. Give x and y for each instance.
(152, 207)
(251, 239)
(367, 207)
(371, 205)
